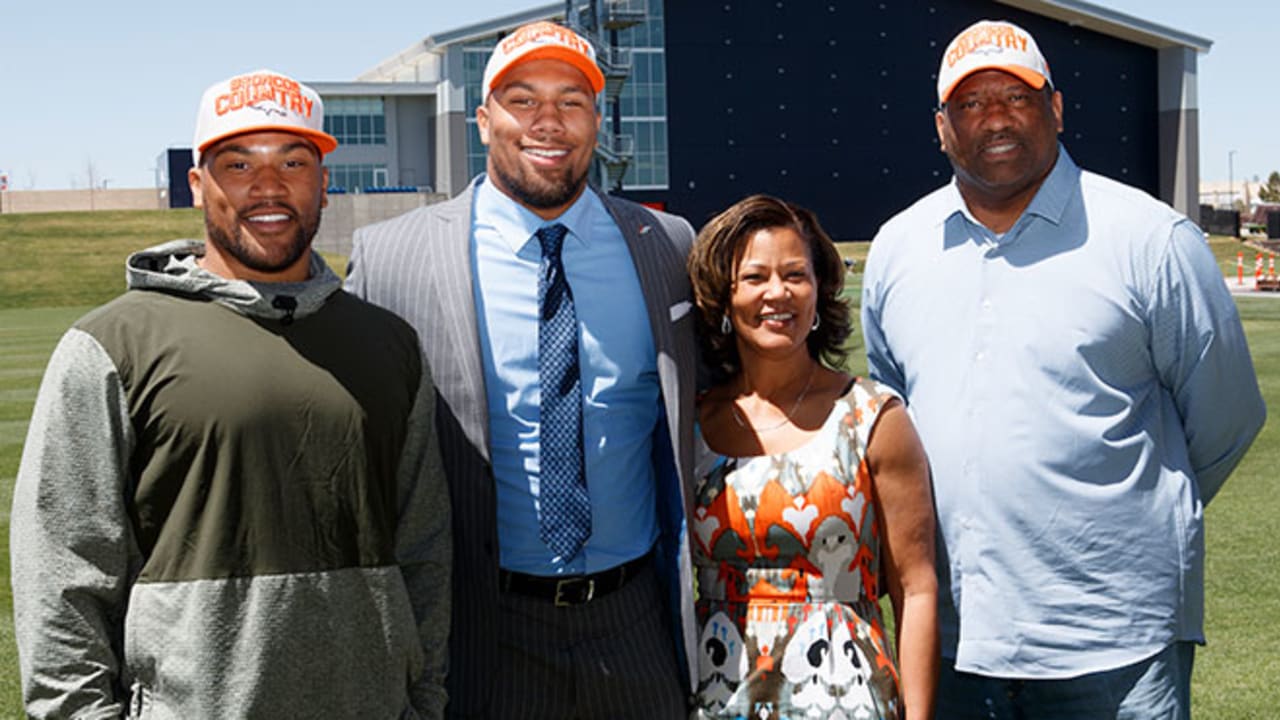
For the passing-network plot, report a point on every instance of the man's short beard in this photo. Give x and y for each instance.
(233, 244)
(554, 194)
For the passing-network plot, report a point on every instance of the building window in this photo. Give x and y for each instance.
(474, 58)
(356, 178)
(644, 102)
(356, 120)
(644, 118)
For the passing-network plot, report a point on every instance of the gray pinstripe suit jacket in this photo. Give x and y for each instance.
(418, 265)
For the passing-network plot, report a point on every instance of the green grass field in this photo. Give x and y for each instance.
(57, 266)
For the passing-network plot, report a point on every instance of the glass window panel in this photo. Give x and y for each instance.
(647, 106)
(639, 68)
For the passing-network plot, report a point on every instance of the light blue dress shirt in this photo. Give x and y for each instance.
(1082, 387)
(619, 379)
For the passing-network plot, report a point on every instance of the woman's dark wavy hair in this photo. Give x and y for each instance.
(716, 254)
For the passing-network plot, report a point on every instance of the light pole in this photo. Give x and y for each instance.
(1231, 186)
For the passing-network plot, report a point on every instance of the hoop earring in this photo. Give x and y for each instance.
(817, 321)
(726, 327)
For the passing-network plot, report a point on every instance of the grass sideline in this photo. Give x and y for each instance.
(59, 265)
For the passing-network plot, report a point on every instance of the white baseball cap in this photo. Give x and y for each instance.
(542, 40)
(260, 101)
(992, 45)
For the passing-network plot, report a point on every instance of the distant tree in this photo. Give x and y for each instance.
(1270, 192)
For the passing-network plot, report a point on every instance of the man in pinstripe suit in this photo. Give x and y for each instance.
(605, 631)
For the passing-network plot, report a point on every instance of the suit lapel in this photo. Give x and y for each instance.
(636, 229)
(653, 255)
(454, 350)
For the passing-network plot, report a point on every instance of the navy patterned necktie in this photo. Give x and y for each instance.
(565, 517)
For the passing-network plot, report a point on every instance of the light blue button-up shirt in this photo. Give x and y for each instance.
(619, 379)
(1082, 387)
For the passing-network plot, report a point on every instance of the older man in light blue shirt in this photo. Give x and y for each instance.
(1081, 382)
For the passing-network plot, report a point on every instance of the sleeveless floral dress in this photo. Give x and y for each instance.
(786, 548)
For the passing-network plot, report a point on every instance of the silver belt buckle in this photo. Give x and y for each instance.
(562, 584)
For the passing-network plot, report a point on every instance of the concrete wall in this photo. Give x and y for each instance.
(1179, 131)
(37, 201)
(345, 213)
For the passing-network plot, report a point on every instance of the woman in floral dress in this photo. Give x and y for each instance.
(812, 488)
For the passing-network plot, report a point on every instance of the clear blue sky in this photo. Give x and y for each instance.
(95, 87)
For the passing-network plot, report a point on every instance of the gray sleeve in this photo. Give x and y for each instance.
(356, 277)
(679, 230)
(72, 546)
(424, 547)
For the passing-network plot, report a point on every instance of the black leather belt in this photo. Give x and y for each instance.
(572, 589)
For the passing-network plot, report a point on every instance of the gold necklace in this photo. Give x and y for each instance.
(786, 418)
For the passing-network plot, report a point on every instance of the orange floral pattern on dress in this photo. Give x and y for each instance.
(788, 555)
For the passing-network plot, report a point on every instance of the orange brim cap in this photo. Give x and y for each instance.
(538, 41)
(260, 101)
(992, 45)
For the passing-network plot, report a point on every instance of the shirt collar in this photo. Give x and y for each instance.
(1050, 201)
(516, 224)
(1062, 182)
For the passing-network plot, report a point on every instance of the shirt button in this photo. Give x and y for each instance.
(986, 304)
(979, 355)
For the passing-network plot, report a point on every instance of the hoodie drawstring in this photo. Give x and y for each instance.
(288, 304)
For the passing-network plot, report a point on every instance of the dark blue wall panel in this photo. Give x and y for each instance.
(830, 103)
(178, 162)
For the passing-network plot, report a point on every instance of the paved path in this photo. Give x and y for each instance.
(1247, 290)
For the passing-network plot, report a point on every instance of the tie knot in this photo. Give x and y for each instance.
(551, 237)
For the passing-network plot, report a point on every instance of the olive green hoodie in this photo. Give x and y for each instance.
(230, 504)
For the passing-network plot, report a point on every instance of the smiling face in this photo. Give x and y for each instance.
(774, 297)
(261, 194)
(1001, 137)
(540, 127)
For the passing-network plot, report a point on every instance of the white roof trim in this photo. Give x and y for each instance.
(361, 88)
(489, 28)
(1112, 22)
